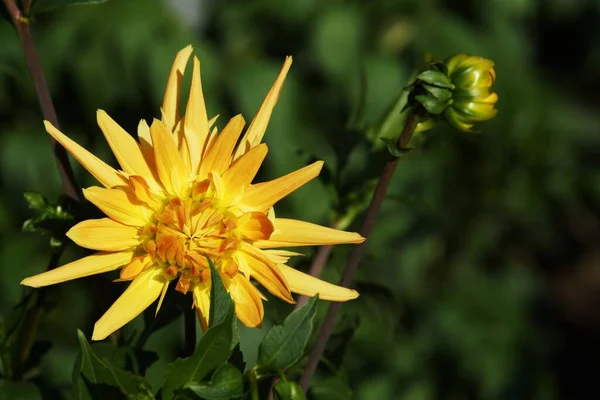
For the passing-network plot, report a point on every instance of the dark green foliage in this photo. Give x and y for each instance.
(225, 383)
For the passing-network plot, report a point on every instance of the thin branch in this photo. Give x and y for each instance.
(21, 24)
(357, 251)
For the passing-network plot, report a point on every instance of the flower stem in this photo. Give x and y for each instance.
(21, 24)
(357, 251)
(189, 320)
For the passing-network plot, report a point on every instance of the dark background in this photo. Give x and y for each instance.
(482, 278)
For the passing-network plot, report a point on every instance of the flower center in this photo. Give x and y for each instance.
(186, 232)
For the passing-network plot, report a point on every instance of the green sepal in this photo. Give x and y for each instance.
(436, 78)
(431, 104)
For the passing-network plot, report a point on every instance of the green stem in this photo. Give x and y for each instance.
(253, 385)
(357, 252)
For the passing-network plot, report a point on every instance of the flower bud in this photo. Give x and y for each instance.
(473, 98)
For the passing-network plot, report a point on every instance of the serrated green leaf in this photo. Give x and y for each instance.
(288, 391)
(40, 6)
(284, 344)
(213, 350)
(100, 380)
(220, 301)
(226, 383)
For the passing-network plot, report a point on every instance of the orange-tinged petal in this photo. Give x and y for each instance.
(264, 195)
(126, 150)
(137, 265)
(202, 304)
(118, 205)
(104, 234)
(291, 233)
(310, 286)
(170, 106)
(248, 303)
(104, 173)
(218, 155)
(255, 226)
(196, 119)
(140, 293)
(239, 176)
(170, 167)
(90, 265)
(265, 272)
(258, 126)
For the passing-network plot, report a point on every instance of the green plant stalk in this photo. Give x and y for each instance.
(21, 24)
(357, 252)
(253, 384)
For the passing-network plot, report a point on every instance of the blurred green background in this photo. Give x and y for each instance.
(482, 278)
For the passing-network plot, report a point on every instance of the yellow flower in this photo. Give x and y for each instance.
(184, 191)
(473, 98)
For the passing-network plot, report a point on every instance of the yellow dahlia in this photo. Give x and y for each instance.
(184, 191)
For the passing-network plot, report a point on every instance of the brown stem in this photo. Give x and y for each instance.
(41, 88)
(357, 251)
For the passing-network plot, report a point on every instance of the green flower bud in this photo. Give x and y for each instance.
(458, 90)
(473, 98)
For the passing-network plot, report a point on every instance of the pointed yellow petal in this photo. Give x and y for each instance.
(248, 304)
(104, 234)
(163, 293)
(118, 205)
(257, 128)
(90, 265)
(202, 304)
(239, 176)
(170, 106)
(170, 167)
(264, 195)
(196, 119)
(280, 256)
(310, 286)
(104, 173)
(146, 144)
(140, 293)
(218, 155)
(126, 150)
(265, 272)
(291, 233)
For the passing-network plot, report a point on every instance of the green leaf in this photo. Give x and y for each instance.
(49, 219)
(220, 301)
(40, 6)
(284, 344)
(431, 104)
(97, 379)
(288, 391)
(435, 78)
(213, 350)
(19, 391)
(226, 383)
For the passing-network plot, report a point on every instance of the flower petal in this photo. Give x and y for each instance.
(291, 233)
(196, 119)
(257, 128)
(118, 205)
(140, 293)
(170, 167)
(264, 195)
(248, 304)
(264, 271)
(218, 155)
(126, 150)
(104, 173)
(170, 107)
(239, 176)
(202, 304)
(255, 226)
(90, 265)
(104, 234)
(310, 286)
